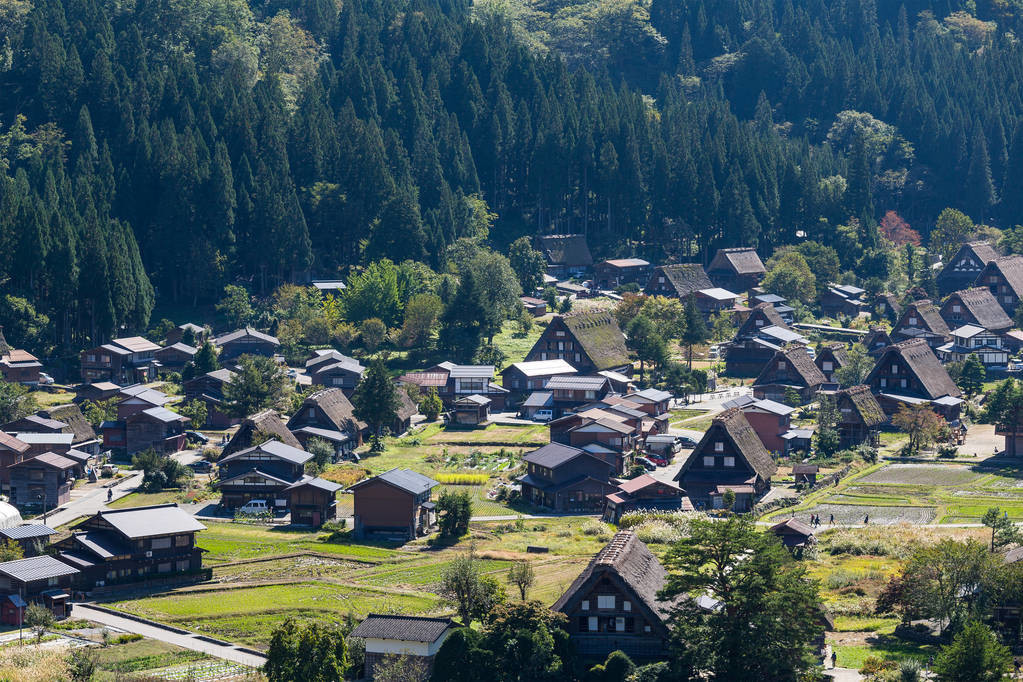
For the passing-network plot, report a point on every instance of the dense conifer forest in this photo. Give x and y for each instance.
(157, 150)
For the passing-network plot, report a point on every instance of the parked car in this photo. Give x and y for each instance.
(686, 442)
(45, 379)
(646, 463)
(543, 415)
(254, 507)
(196, 437)
(201, 466)
(659, 461)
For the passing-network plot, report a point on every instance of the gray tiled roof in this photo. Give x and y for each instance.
(406, 479)
(36, 568)
(552, 455)
(275, 448)
(161, 519)
(402, 628)
(29, 530)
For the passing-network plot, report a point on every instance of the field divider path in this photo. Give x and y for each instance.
(157, 631)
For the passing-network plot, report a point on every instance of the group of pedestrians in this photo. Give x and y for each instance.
(815, 521)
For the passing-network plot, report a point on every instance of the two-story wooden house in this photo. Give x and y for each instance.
(42, 580)
(333, 369)
(122, 361)
(565, 478)
(791, 369)
(921, 320)
(1003, 277)
(976, 306)
(605, 435)
(830, 358)
(567, 255)
(653, 401)
(730, 456)
(971, 339)
(328, 415)
(572, 391)
(644, 492)
(208, 388)
(134, 399)
(613, 604)
(20, 367)
(247, 341)
(716, 300)
(910, 373)
(12, 451)
(261, 472)
(457, 381)
(678, 281)
(396, 503)
(525, 377)
(965, 266)
(768, 418)
(312, 501)
(188, 333)
(616, 272)
(756, 341)
(174, 357)
(780, 304)
(158, 428)
(120, 546)
(590, 342)
(738, 269)
(860, 416)
(42, 482)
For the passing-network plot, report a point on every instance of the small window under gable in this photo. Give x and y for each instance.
(708, 461)
(781, 364)
(586, 605)
(605, 601)
(729, 461)
(719, 446)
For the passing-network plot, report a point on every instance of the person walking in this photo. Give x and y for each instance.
(866, 520)
(110, 494)
(831, 522)
(834, 659)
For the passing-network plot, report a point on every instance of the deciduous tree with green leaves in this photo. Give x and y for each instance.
(315, 651)
(528, 263)
(971, 378)
(259, 382)
(975, 655)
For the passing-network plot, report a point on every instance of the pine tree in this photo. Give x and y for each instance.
(376, 400)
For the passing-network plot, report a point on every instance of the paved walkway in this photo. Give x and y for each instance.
(190, 641)
(843, 674)
(92, 502)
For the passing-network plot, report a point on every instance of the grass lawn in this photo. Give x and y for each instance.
(144, 499)
(883, 647)
(51, 398)
(233, 541)
(481, 506)
(494, 434)
(114, 661)
(248, 615)
(513, 344)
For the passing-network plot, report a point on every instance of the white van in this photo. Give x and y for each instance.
(253, 507)
(543, 415)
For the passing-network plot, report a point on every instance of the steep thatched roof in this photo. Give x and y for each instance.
(266, 422)
(923, 364)
(981, 304)
(565, 249)
(741, 261)
(863, 403)
(336, 406)
(767, 314)
(799, 361)
(1011, 268)
(406, 407)
(600, 337)
(732, 425)
(627, 563)
(685, 278)
(927, 317)
(833, 351)
(76, 422)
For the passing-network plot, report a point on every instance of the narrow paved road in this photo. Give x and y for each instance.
(190, 641)
(91, 502)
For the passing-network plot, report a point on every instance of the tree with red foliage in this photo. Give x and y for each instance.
(898, 231)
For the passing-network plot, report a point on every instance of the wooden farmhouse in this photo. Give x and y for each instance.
(678, 281)
(258, 427)
(614, 273)
(41, 580)
(209, 389)
(566, 255)
(247, 341)
(976, 306)
(770, 419)
(730, 456)
(791, 369)
(565, 478)
(526, 377)
(334, 370)
(755, 343)
(260, 472)
(860, 416)
(613, 604)
(20, 367)
(909, 373)
(387, 637)
(644, 492)
(843, 299)
(921, 320)
(330, 416)
(174, 357)
(42, 482)
(1003, 277)
(965, 266)
(124, 361)
(738, 269)
(590, 342)
(831, 357)
(12, 451)
(397, 503)
(876, 340)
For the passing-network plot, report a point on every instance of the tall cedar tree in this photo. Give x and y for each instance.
(376, 399)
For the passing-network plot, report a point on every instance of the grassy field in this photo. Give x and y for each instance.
(115, 661)
(225, 542)
(513, 344)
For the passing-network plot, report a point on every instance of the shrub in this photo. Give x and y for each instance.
(658, 532)
(595, 528)
(345, 475)
(126, 638)
(462, 479)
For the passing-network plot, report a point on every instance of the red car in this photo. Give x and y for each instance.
(659, 461)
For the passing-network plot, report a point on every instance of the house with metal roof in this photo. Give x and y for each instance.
(572, 391)
(397, 503)
(333, 369)
(247, 341)
(328, 415)
(19, 366)
(525, 377)
(644, 492)
(123, 361)
(389, 636)
(158, 428)
(756, 341)
(312, 500)
(736, 269)
(31, 536)
(454, 381)
(260, 472)
(613, 604)
(209, 388)
(971, 339)
(40, 579)
(769, 418)
(617, 272)
(566, 478)
(134, 544)
(42, 482)
(717, 300)
(843, 299)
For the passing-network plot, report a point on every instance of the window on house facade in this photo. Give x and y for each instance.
(52, 582)
(626, 605)
(620, 624)
(956, 308)
(729, 461)
(827, 365)
(586, 605)
(708, 461)
(884, 383)
(781, 364)
(719, 446)
(903, 383)
(911, 322)
(160, 543)
(559, 333)
(605, 601)
(183, 540)
(591, 624)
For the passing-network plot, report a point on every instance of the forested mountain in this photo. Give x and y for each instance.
(160, 149)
